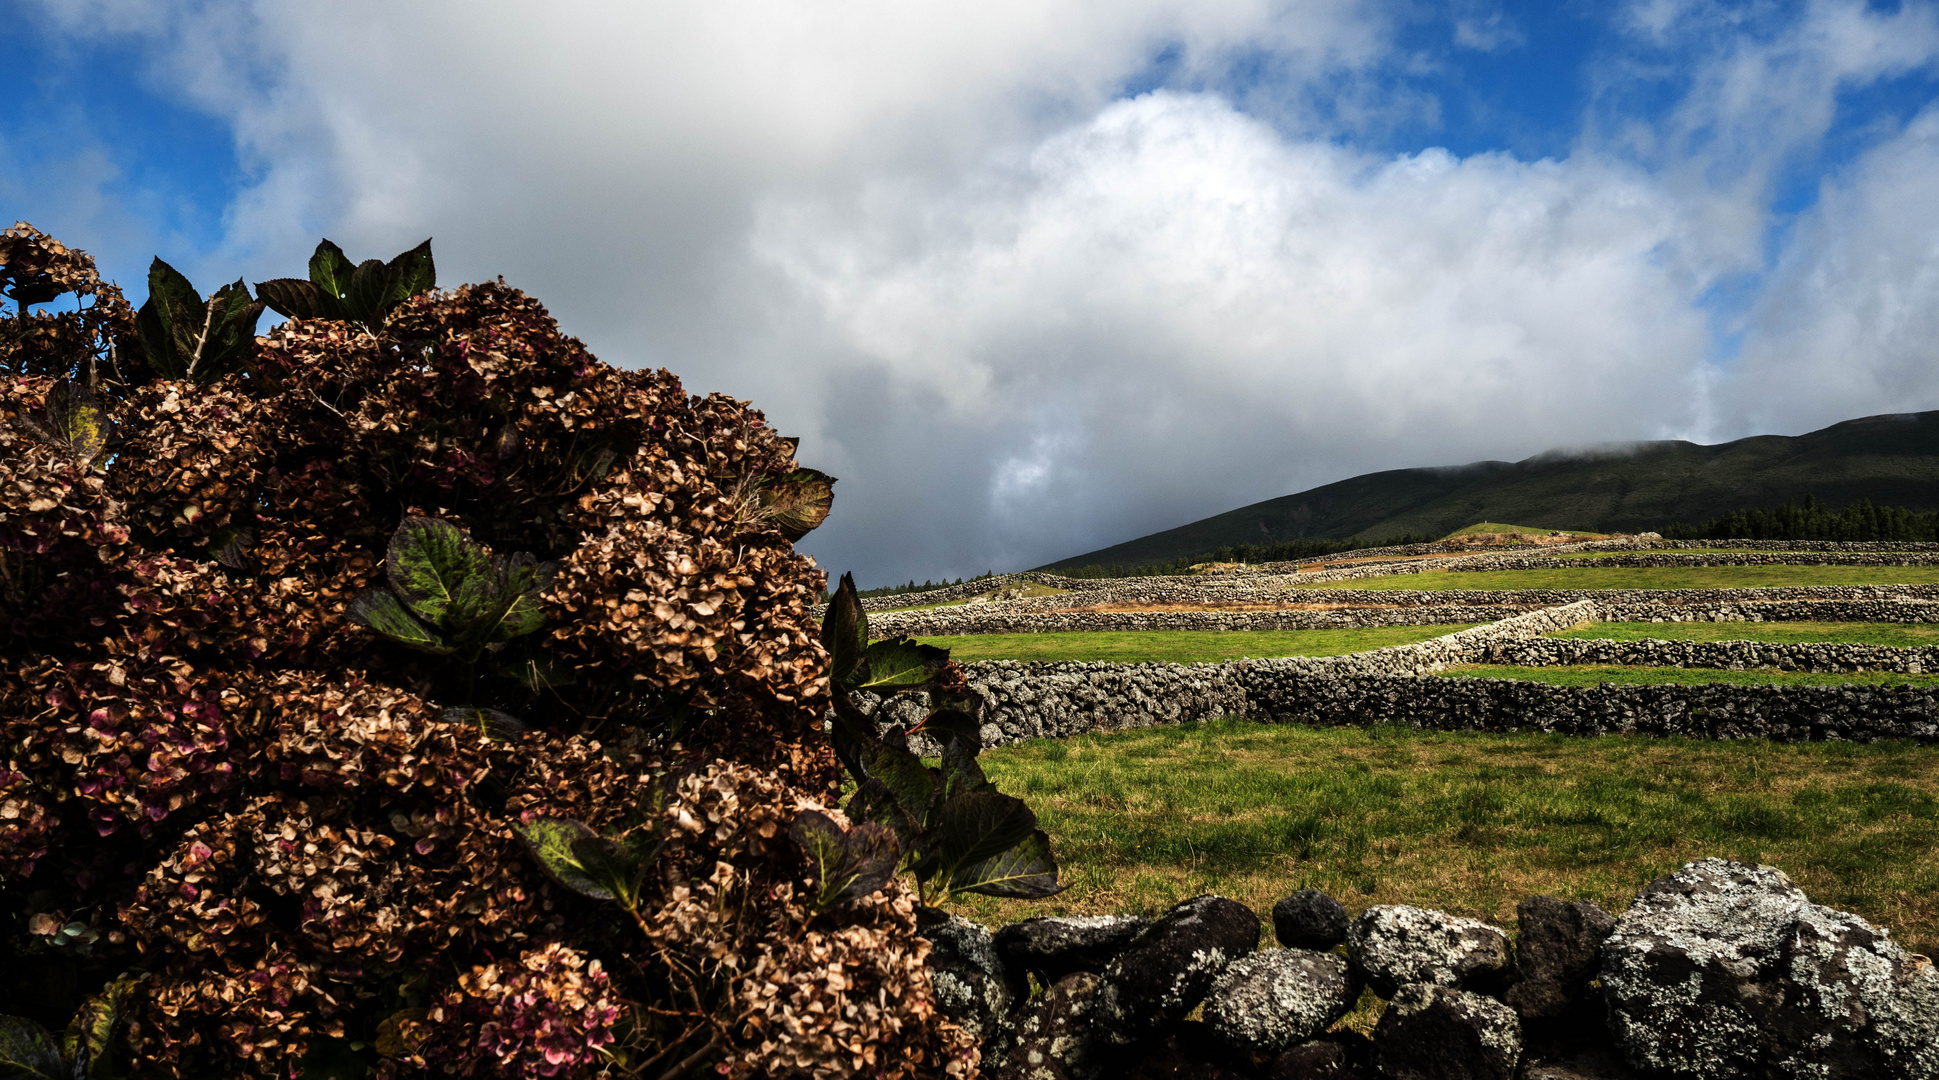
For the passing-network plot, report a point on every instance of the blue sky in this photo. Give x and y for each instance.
(1037, 277)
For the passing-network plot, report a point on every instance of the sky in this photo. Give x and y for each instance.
(1032, 277)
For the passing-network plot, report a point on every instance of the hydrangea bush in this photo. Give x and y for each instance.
(406, 692)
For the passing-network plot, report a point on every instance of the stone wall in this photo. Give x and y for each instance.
(1028, 701)
(997, 619)
(1052, 700)
(1731, 655)
(1680, 985)
(1706, 605)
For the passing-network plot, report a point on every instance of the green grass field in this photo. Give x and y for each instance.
(1598, 674)
(1666, 577)
(1468, 823)
(1182, 646)
(1900, 635)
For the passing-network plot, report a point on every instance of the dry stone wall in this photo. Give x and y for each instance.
(1030, 701)
(1679, 986)
(1731, 655)
(1015, 617)
(1052, 700)
(975, 620)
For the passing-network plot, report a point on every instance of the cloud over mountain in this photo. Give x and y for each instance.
(1034, 277)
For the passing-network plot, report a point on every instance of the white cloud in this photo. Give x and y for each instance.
(1188, 306)
(1848, 324)
(1021, 317)
(1486, 28)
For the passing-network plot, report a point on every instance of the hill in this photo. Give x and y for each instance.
(1629, 487)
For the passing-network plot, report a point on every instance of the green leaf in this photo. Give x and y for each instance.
(413, 272)
(945, 725)
(798, 502)
(642, 847)
(474, 609)
(553, 844)
(77, 419)
(874, 802)
(522, 578)
(428, 561)
(1027, 871)
(294, 298)
(89, 1041)
(845, 634)
(609, 863)
(330, 270)
(909, 782)
(850, 731)
(370, 288)
(382, 611)
(901, 664)
(170, 321)
(28, 1051)
(230, 547)
(845, 865)
(229, 335)
(492, 723)
(977, 825)
(960, 772)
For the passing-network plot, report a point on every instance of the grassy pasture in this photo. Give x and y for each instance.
(1468, 823)
(1900, 635)
(1182, 646)
(1637, 675)
(1651, 577)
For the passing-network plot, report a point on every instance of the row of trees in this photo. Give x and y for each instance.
(1860, 521)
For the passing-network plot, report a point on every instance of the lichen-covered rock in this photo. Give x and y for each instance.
(1343, 1056)
(1166, 972)
(972, 986)
(1309, 919)
(1394, 944)
(1186, 1050)
(1434, 1032)
(1273, 999)
(1725, 970)
(1555, 954)
(1052, 1039)
(1054, 946)
(1595, 1063)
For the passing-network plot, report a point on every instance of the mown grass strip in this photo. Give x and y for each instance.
(1898, 635)
(1467, 822)
(1622, 674)
(1182, 646)
(1646, 577)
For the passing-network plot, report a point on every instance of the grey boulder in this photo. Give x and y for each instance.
(971, 984)
(1309, 919)
(1057, 945)
(1556, 954)
(1725, 970)
(1440, 1033)
(1271, 1000)
(1052, 1038)
(1394, 945)
(1166, 972)
(1331, 1058)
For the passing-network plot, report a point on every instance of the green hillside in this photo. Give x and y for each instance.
(1890, 460)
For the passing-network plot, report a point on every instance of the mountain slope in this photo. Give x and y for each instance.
(1891, 460)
